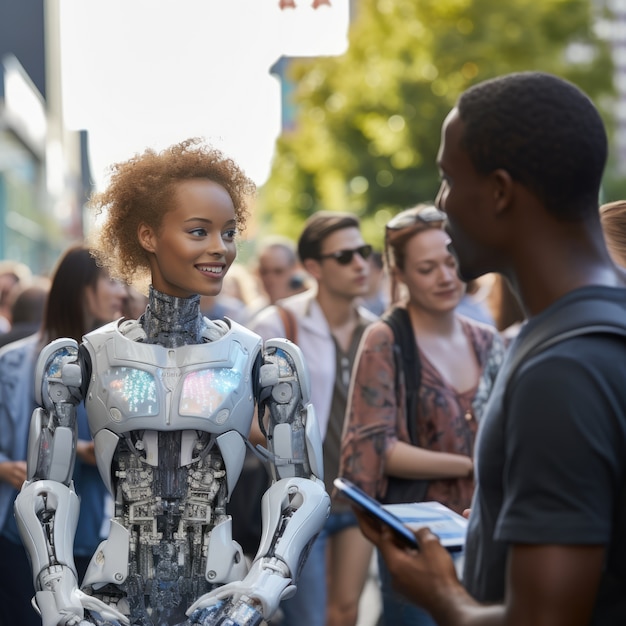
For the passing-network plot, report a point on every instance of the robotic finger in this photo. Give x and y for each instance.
(225, 613)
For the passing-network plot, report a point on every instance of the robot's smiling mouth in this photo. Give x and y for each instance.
(217, 271)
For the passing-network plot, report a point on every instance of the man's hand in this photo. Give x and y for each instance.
(425, 576)
(13, 472)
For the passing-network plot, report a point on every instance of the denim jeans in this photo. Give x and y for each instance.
(16, 586)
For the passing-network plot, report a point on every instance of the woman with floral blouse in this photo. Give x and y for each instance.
(458, 358)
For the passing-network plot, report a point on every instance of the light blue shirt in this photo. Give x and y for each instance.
(17, 402)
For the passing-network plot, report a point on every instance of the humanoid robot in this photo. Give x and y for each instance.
(170, 399)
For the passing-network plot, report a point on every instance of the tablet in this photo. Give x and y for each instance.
(374, 508)
(449, 526)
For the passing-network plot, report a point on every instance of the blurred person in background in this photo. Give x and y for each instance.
(27, 307)
(12, 274)
(240, 284)
(278, 272)
(233, 301)
(613, 220)
(474, 302)
(277, 262)
(326, 322)
(81, 298)
(393, 448)
(507, 312)
(376, 300)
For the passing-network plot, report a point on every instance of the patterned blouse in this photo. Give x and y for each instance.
(446, 421)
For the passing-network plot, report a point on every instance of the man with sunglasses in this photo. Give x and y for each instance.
(328, 324)
(522, 159)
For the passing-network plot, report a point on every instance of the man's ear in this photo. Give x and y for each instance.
(146, 237)
(312, 266)
(503, 189)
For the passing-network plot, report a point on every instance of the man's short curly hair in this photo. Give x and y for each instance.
(545, 132)
(140, 190)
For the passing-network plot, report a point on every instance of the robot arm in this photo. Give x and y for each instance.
(52, 440)
(46, 509)
(296, 505)
(293, 436)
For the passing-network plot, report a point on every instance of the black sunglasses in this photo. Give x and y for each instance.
(344, 257)
(410, 217)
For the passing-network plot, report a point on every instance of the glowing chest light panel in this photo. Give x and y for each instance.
(131, 390)
(203, 392)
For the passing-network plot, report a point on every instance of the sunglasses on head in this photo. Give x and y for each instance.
(410, 217)
(344, 257)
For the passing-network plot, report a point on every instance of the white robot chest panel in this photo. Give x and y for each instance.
(136, 386)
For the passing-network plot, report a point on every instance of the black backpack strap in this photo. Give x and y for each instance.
(407, 362)
(408, 366)
(585, 317)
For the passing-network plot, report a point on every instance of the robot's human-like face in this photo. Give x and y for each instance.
(195, 245)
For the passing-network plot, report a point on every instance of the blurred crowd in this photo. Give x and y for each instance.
(338, 285)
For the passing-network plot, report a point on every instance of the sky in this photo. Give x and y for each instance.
(150, 73)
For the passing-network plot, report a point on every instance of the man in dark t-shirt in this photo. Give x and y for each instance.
(521, 160)
(552, 458)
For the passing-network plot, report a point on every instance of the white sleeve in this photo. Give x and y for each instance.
(267, 324)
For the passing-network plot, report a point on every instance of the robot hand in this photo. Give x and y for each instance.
(225, 613)
(107, 615)
(61, 603)
(266, 584)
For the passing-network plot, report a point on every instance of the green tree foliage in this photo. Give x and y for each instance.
(368, 122)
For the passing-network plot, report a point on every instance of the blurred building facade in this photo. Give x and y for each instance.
(614, 29)
(44, 177)
(280, 69)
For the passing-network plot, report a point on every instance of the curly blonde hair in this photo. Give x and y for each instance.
(140, 191)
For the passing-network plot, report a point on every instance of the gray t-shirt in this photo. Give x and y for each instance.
(332, 441)
(551, 460)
